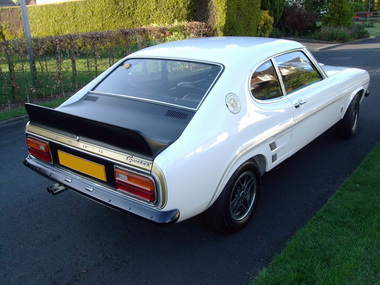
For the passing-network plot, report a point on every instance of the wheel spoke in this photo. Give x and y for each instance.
(243, 195)
(244, 206)
(355, 116)
(234, 206)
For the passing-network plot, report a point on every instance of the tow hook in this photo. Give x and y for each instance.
(56, 188)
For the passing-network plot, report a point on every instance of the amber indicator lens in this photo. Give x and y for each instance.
(135, 184)
(39, 149)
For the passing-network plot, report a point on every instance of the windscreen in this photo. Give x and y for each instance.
(181, 83)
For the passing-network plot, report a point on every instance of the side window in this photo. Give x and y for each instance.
(296, 71)
(264, 82)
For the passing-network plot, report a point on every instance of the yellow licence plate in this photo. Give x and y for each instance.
(82, 165)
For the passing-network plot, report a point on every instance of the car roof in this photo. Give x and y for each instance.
(224, 50)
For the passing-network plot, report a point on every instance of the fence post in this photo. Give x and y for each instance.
(29, 47)
(12, 73)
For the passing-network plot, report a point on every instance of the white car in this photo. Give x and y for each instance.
(187, 127)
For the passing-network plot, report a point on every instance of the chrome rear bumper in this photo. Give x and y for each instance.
(101, 193)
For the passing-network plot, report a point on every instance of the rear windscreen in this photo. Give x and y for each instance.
(181, 83)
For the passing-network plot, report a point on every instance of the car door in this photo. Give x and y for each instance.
(276, 111)
(312, 95)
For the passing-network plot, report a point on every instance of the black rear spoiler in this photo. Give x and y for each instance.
(121, 138)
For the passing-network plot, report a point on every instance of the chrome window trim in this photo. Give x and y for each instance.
(160, 102)
(285, 95)
(301, 87)
(271, 59)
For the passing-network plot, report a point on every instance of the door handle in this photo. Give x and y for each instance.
(299, 103)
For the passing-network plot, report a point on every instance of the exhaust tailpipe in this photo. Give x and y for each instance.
(56, 188)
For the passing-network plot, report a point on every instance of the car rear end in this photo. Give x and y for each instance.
(93, 168)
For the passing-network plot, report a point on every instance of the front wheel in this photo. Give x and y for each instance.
(346, 127)
(236, 204)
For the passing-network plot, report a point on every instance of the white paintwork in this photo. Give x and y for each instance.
(217, 141)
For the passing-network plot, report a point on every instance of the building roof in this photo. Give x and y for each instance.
(7, 3)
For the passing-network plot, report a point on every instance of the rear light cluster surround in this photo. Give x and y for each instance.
(140, 186)
(39, 149)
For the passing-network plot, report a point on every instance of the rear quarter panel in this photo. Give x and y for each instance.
(215, 143)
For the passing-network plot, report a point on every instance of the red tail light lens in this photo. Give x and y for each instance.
(140, 186)
(39, 149)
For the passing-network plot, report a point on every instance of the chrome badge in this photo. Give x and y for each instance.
(233, 103)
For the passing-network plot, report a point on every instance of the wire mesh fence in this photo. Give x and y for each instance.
(66, 63)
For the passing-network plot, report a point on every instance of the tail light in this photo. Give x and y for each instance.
(39, 149)
(139, 186)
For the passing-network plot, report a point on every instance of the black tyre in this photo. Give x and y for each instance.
(346, 127)
(236, 204)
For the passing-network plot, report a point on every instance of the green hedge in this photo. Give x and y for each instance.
(105, 15)
(225, 17)
(233, 17)
(95, 15)
(10, 23)
(242, 17)
(216, 15)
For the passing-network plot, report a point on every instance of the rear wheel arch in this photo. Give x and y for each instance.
(236, 204)
(347, 126)
(261, 162)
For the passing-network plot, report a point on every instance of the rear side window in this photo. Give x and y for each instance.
(296, 71)
(264, 82)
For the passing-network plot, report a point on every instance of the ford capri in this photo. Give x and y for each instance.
(190, 127)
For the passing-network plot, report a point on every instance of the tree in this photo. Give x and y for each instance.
(339, 14)
(318, 6)
(275, 8)
(296, 20)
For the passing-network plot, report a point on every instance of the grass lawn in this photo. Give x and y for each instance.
(341, 244)
(375, 30)
(50, 81)
(20, 111)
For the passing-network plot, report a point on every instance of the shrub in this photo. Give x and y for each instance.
(341, 34)
(265, 25)
(230, 17)
(242, 17)
(318, 7)
(216, 16)
(339, 15)
(277, 33)
(10, 23)
(356, 7)
(275, 8)
(358, 32)
(334, 34)
(297, 21)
